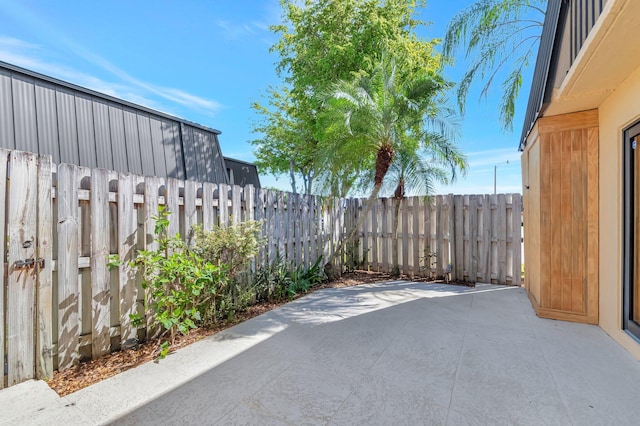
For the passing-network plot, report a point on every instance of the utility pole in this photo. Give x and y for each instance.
(495, 175)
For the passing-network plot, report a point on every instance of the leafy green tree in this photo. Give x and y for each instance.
(497, 36)
(322, 42)
(369, 119)
(285, 147)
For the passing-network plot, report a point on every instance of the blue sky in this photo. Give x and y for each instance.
(207, 61)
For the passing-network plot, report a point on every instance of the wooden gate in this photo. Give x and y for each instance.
(26, 228)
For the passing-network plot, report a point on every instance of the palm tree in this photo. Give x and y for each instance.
(368, 120)
(496, 35)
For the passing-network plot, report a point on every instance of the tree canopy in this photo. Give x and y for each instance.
(374, 121)
(322, 42)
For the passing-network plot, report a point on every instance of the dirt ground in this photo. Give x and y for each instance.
(88, 373)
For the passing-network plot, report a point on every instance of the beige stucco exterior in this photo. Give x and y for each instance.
(617, 112)
(606, 77)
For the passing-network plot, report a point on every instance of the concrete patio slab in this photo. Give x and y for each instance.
(387, 353)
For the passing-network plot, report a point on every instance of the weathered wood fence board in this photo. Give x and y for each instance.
(63, 224)
(4, 156)
(473, 237)
(22, 279)
(44, 270)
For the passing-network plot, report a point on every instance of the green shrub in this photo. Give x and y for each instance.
(234, 245)
(186, 290)
(280, 279)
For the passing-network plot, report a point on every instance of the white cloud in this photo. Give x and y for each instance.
(10, 42)
(28, 55)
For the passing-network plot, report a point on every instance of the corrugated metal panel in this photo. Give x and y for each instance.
(47, 115)
(146, 148)
(172, 149)
(7, 135)
(541, 71)
(24, 110)
(213, 168)
(157, 144)
(218, 159)
(179, 151)
(190, 154)
(67, 127)
(132, 141)
(203, 158)
(86, 133)
(118, 140)
(583, 16)
(103, 134)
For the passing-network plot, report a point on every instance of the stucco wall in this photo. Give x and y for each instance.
(617, 112)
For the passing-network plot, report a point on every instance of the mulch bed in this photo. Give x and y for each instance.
(90, 372)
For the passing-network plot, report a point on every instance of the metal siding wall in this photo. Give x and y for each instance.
(146, 147)
(132, 142)
(118, 140)
(86, 133)
(541, 70)
(67, 127)
(76, 127)
(244, 174)
(157, 145)
(47, 117)
(104, 156)
(7, 135)
(24, 114)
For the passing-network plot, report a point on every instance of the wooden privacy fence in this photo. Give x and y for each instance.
(474, 237)
(60, 301)
(62, 224)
